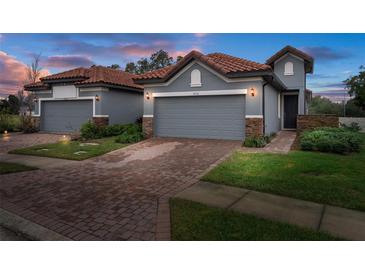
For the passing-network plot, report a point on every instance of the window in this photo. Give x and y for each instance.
(289, 68)
(279, 110)
(195, 80)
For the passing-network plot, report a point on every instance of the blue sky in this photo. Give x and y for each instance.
(337, 56)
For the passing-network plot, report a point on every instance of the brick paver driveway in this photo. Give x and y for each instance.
(112, 197)
(18, 140)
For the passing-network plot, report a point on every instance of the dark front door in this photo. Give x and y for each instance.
(290, 111)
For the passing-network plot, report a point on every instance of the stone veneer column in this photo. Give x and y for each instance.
(254, 127)
(147, 125)
(309, 122)
(36, 122)
(101, 121)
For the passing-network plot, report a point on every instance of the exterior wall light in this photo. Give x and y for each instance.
(97, 97)
(252, 91)
(35, 100)
(147, 95)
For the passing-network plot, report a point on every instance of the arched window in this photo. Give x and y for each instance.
(195, 80)
(289, 68)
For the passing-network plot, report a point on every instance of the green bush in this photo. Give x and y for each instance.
(352, 127)
(128, 138)
(336, 140)
(256, 141)
(91, 130)
(10, 122)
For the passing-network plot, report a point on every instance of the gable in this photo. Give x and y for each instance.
(294, 79)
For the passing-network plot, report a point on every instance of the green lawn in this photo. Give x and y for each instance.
(325, 178)
(10, 168)
(192, 221)
(67, 150)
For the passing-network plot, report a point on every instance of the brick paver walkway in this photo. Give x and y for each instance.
(280, 144)
(18, 140)
(118, 196)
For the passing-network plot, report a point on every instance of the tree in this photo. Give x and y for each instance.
(14, 104)
(178, 59)
(131, 67)
(114, 66)
(320, 105)
(160, 59)
(157, 60)
(356, 88)
(34, 69)
(352, 110)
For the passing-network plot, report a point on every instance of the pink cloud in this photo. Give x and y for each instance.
(136, 50)
(200, 35)
(13, 74)
(182, 53)
(67, 61)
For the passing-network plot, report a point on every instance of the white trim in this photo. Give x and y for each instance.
(65, 99)
(279, 105)
(254, 116)
(147, 115)
(100, 115)
(227, 80)
(42, 92)
(289, 68)
(201, 93)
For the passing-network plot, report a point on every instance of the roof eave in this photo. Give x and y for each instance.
(101, 84)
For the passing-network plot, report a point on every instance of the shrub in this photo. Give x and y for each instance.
(336, 140)
(28, 124)
(10, 122)
(256, 141)
(352, 127)
(127, 138)
(91, 130)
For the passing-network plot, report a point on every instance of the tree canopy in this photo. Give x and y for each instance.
(321, 105)
(356, 88)
(157, 60)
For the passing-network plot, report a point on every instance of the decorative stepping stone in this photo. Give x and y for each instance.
(80, 152)
(89, 144)
(43, 149)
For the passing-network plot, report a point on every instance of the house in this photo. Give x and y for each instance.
(219, 96)
(66, 100)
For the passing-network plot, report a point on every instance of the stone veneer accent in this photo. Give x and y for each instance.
(254, 127)
(36, 122)
(147, 125)
(101, 121)
(307, 122)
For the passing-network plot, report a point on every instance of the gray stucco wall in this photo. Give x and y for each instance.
(209, 82)
(293, 82)
(122, 106)
(272, 121)
(40, 95)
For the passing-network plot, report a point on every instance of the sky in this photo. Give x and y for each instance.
(337, 56)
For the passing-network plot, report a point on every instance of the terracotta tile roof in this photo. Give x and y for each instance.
(289, 49)
(93, 75)
(223, 63)
(37, 85)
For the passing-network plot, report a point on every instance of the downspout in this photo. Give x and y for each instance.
(263, 106)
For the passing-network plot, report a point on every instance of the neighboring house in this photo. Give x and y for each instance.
(219, 96)
(64, 101)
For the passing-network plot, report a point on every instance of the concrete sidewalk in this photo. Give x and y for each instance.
(341, 222)
(35, 161)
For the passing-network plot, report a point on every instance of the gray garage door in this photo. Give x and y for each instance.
(212, 117)
(65, 116)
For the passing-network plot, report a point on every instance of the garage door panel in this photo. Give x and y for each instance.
(65, 116)
(215, 117)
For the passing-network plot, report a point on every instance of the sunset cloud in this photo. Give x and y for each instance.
(67, 61)
(13, 74)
